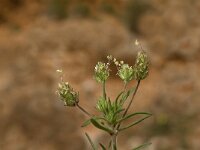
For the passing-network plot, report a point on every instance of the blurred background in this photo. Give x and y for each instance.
(37, 37)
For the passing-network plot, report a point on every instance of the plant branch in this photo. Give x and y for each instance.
(104, 90)
(83, 110)
(114, 142)
(137, 86)
(126, 110)
(125, 85)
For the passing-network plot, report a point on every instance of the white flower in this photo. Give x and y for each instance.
(136, 42)
(59, 71)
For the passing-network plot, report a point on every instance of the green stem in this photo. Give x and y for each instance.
(125, 85)
(137, 86)
(126, 110)
(114, 142)
(104, 89)
(83, 110)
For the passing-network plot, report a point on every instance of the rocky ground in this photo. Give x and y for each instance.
(32, 117)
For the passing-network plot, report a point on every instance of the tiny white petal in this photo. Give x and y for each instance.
(59, 71)
(136, 42)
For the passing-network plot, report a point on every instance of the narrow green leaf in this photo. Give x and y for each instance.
(132, 90)
(142, 146)
(109, 103)
(100, 118)
(102, 146)
(86, 123)
(132, 115)
(134, 123)
(90, 141)
(120, 110)
(126, 95)
(120, 94)
(100, 126)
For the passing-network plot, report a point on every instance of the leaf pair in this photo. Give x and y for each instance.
(123, 96)
(146, 115)
(97, 124)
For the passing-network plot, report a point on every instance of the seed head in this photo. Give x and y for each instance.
(67, 94)
(125, 72)
(141, 68)
(101, 72)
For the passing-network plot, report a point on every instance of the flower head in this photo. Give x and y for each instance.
(101, 72)
(67, 94)
(125, 72)
(141, 68)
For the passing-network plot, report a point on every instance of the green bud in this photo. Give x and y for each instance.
(67, 94)
(101, 72)
(126, 72)
(141, 68)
